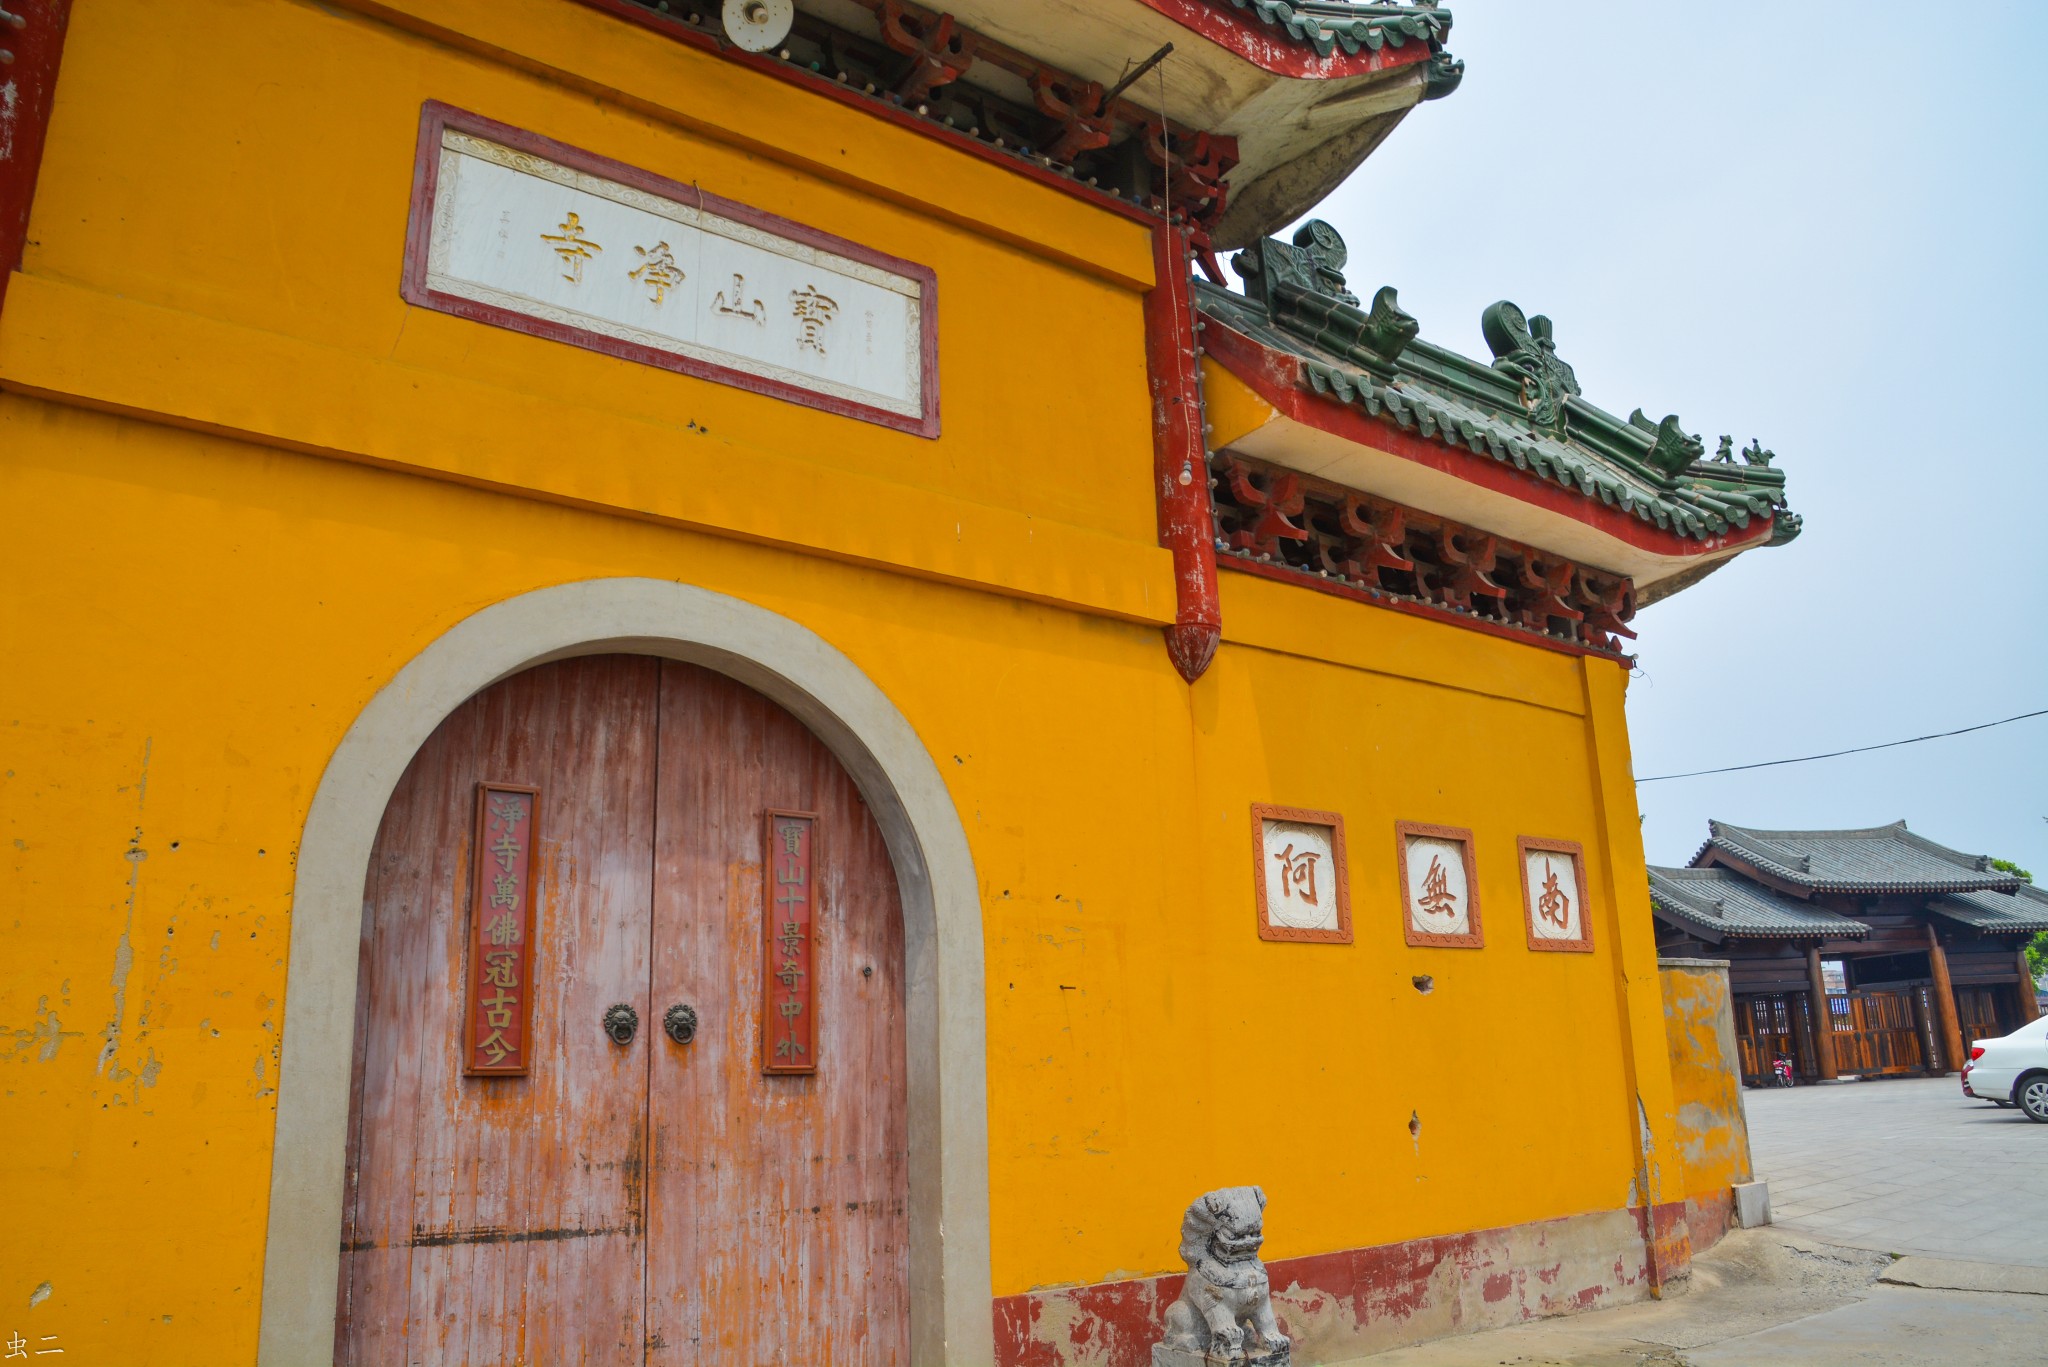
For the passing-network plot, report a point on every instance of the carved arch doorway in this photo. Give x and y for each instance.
(651, 1199)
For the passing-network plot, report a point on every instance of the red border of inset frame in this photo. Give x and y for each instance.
(1525, 843)
(1475, 938)
(1262, 813)
(436, 116)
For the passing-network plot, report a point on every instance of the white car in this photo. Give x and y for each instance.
(2012, 1070)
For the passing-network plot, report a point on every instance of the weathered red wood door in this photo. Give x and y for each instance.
(656, 1202)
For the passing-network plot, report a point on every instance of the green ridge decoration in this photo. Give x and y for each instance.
(1522, 347)
(1671, 450)
(1523, 410)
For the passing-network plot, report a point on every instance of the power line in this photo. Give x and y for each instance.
(1861, 749)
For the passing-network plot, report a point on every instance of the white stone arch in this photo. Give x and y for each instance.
(950, 1290)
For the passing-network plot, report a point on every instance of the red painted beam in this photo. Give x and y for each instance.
(1258, 44)
(1277, 378)
(28, 87)
(1180, 456)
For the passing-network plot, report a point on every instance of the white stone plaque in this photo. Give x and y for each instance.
(1552, 881)
(1301, 878)
(1438, 902)
(565, 245)
(1303, 887)
(1554, 894)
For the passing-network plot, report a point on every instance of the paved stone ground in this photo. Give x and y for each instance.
(1905, 1165)
(1766, 1298)
(1859, 1173)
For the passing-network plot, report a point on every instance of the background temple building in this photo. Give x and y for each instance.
(1926, 945)
(743, 683)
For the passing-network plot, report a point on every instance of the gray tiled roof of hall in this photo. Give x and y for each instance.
(1876, 860)
(1721, 902)
(2023, 909)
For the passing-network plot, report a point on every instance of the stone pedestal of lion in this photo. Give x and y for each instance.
(1225, 1311)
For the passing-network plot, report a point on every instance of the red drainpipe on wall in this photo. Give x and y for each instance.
(1180, 456)
(31, 41)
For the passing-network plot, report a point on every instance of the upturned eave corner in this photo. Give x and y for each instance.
(1506, 447)
(1239, 114)
(1327, 38)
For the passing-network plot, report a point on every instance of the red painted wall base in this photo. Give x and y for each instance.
(1337, 1306)
(1708, 1219)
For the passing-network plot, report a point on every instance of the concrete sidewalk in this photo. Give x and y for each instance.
(1762, 1298)
(1906, 1165)
(1859, 1173)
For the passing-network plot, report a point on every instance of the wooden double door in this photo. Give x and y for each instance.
(647, 1202)
(1879, 1032)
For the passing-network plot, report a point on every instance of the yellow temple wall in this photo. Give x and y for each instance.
(1712, 1132)
(244, 484)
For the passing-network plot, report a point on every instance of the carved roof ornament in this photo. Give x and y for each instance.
(1327, 254)
(1671, 449)
(1523, 347)
(1388, 328)
(1302, 285)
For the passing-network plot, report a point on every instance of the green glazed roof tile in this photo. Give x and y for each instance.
(1523, 409)
(1328, 25)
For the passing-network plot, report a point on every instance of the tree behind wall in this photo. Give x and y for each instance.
(2037, 948)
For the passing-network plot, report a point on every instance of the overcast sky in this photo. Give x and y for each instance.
(1822, 225)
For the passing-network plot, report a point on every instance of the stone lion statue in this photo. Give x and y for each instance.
(1225, 1311)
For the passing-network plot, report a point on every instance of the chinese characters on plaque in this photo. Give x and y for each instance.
(501, 931)
(811, 309)
(789, 1019)
(1300, 878)
(1553, 893)
(1439, 886)
(544, 239)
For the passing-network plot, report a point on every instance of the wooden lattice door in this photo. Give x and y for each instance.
(652, 1201)
(1876, 1032)
(1978, 1014)
(1763, 1030)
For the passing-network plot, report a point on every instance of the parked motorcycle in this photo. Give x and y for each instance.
(1781, 1071)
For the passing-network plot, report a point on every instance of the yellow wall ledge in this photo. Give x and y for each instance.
(72, 344)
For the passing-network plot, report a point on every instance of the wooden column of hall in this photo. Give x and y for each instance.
(2030, 1010)
(1945, 1002)
(1823, 1019)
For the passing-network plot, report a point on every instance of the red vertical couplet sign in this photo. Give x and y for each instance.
(789, 1019)
(501, 931)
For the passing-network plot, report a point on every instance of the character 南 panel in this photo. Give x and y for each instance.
(1300, 875)
(1439, 886)
(522, 232)
(1554, 893)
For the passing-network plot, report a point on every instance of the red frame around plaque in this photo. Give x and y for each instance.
(1574, 852)
(789, 905)
(1333, 822)
(1461, 836)
(498, 1035)
(435, 117)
